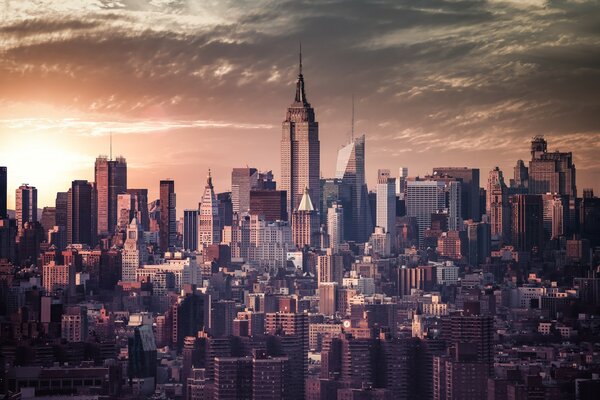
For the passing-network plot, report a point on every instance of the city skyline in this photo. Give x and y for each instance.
(212, 83)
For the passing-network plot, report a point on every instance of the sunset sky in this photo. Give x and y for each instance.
(189, 85)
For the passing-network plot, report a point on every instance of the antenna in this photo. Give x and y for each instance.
(352, 116)
(300, 59)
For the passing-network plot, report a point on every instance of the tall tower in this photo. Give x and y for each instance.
(209, 223)
(497, 205)
(3, 193)
(134, 251)
(335, 226)
(305, 223)
(167, 227)
(25, 205)
(350, 169)
(386, 202)
(300, 150)
(81, 207)
(111, 180)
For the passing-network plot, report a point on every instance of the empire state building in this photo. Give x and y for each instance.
(300, 150)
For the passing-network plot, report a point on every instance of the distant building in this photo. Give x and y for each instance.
(167, 223)
(81, 207)
(110, 181)
(209, 223)
(25, 205)
(335, 226)
(551, 172)
(305, 223)
(190, 230)
(386, 203)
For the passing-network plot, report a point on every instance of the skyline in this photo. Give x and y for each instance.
(429, 91)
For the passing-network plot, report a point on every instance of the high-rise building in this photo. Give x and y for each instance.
(330, 268)
(478, 242)
(552, 172)
(527, 222)
(350, 169)
(305, 223)
(126, 210)
(271, 204)
(190, 230)
(386, 203)
(167, 223)
(225, 208)
(141, 197)
(48, 220)
(469, 183)
(233, 378)
(58, 278)
(335, 226)
(401, 182)
(243, 180)
(209, 223)
(134, 251)
(328, 297)
(424, 198)
(498, 208)
(556, 216)
(110, 180)
(300, 150)
(61, 204)
(81, 208)
(3, 192)
(25, 205)
(521, 175)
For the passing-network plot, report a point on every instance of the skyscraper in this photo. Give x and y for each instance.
(521, 175)
(271, 204)
(527, 222)
(386, 203)
(81, 207)
(401, 182)
(167, 226)
(424, 198)
(3, 192)
(550, 172)
(300, 150)
(498, 208)
(335, 226)
(25, 205)
(111, 180)
(305, 223)
(61, 204)
(141, 196)
(134, 251)
(469, 183)
(350, 169)
(209, 223)
(243, 180)
(190, 230)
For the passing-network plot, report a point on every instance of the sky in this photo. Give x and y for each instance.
(184, 86)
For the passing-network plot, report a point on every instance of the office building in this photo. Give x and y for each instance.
(61, 204)
(335, 226)
(497, 206)
(167, 223)
(551, 172)
(190, 230)
(424, 198)
(134, 252)
(469, 183)
(141, 207)
(328, 297)
(271, 204)
(81, 211)
(386, 203)
(209, 223)
(110, 181)
(305, 223)
(350, 168)
(3, 192)
(25, 205)
(300, 150)
(527, 222)
(401, 182)
(243, 180)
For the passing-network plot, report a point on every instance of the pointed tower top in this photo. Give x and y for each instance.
(300, 93)
(300, 59)
(209, 180)
(352, 117)
(306, 202)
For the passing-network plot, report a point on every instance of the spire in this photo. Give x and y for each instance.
(300, 93)
(306, 202)
(209, 180)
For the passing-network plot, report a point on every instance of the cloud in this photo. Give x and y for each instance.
(434, 81)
